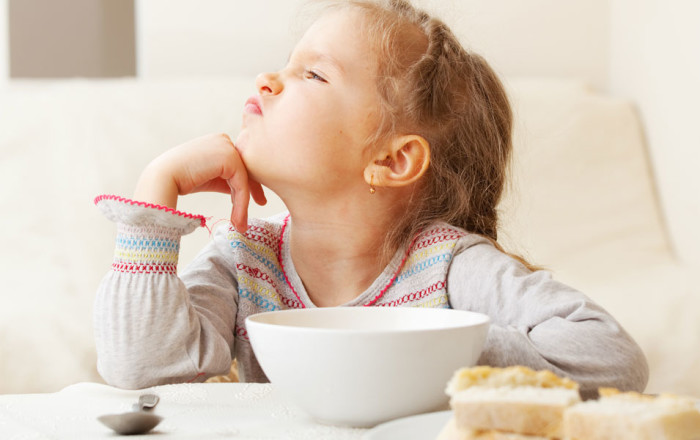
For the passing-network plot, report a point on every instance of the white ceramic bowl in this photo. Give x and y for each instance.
(360, 366)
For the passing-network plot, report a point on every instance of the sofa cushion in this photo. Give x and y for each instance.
(582, 200)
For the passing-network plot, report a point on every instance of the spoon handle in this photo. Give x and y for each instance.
(146, 402)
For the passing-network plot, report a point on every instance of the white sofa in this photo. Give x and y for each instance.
(582, 204)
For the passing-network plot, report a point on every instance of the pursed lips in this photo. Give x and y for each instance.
(253, 105)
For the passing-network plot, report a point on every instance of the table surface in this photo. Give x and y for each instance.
(189, 411)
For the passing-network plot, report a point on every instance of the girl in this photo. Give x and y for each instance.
(388, 143)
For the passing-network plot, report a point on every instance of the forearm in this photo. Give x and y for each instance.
(541, 323)
(149, 327)
(593, 353)
(147, 333)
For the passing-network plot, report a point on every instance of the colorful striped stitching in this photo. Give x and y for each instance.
(427, 252)
(259, 243)
(252, 247)
(265, 262)
(258, 300)
(254, 272)
(133, 242)
(254, 233)
(415, 296)
(137, 252)
(396, 274)
(258, 287)
(423, 265)
(439, 302)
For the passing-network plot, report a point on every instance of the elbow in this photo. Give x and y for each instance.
(125, 376)
(132, 369)
(637, 375)
(628, 371)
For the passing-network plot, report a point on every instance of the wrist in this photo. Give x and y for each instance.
(157, 187)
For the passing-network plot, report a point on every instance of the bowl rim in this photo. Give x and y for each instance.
(482, 320)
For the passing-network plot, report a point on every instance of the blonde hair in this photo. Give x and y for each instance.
(431, 86)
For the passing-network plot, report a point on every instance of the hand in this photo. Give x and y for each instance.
(208, 163)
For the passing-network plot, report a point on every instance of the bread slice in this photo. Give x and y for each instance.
(524, 410)
(511, 400)
(510, 376)
(452, 432)
(633, 416)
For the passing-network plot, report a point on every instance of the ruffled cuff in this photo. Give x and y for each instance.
(135, 213)
(148, 236)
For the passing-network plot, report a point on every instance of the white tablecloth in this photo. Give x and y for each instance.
(190, 411)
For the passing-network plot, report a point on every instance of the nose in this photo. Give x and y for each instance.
(268, 83)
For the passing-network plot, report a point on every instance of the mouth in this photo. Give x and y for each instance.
(253, 105)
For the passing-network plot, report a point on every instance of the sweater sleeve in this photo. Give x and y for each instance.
(542, 323)
(151, 326)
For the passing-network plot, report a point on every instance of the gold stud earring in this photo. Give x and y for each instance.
(371, 186)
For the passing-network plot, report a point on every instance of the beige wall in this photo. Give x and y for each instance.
(655, 62)
(178, 38)
(533, 37)
(186, 37)
(551, 38)
(87, 38)
(4, 65)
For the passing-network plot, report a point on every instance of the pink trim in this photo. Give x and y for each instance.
(371, 302)
(241, 332)
(201, 218)
(284, 272)
(438, 239)
(290, 303)
(196, 377)
(396, 274)
(415, 296)
(170, 269)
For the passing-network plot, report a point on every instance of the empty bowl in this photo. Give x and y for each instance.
(360, 366)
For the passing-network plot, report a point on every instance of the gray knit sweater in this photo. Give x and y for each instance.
(154, 327)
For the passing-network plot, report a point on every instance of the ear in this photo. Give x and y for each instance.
(403, 162)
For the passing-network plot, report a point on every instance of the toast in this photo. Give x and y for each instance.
(514, 400)
(451, 432)
(517, 403)
(633, 416)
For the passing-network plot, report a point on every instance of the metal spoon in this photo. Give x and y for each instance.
(138, 421)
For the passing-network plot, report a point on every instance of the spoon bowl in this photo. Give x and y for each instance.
(138, 421)
(130, 423)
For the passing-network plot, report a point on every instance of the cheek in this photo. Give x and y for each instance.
(320, 131)
(313, 126)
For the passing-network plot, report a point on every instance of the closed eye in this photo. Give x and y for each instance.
(310, 74)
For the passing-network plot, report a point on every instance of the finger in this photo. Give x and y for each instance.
(216, 185)
(256, 190)
(240, 197)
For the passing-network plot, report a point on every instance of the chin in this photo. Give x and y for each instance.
(241, 140)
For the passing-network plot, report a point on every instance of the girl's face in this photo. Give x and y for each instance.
(306, 128)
